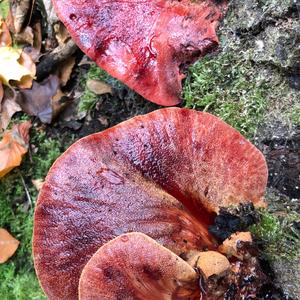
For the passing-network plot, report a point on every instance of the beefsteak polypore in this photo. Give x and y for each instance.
(164, 174)
(145, 44)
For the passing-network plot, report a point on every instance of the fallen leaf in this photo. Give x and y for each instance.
(5, 37)
(37, 101)
(1, 94)
(27, 62)
(10, 66)
(8, 245)
(65, 70)
(9, 107)
(13, 146)
(38, 183)
(37, 36)
(20, 11)
(26, 36)
(61, 33)
(98, 87)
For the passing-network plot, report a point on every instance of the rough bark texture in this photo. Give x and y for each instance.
(267, 33)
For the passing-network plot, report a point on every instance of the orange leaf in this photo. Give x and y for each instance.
(5, 37)
(13, 146)
(1, 94)
(8, 245)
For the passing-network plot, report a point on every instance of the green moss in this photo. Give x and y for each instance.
(89, 99)
(294, 114)
(17, 277)
(4, 9)
(279, 235)
(226, 85)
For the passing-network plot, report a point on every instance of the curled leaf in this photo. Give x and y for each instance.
(8, 107)
(98, 87)
(5, 37)
(27, 62)
(8, 245)
(12, 65)
(1, 94)
(37, 101)
(13, 146)
(20, 11)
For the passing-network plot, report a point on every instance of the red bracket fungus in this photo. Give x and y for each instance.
(164, 174)
(145, 44)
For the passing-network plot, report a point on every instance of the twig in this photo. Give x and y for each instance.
(57, 56)
(26, 189)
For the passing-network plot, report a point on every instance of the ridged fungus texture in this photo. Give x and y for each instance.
(134, 266)
(145, 44)
(164, 174)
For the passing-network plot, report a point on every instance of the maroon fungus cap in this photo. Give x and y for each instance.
(134, 266)
(164, 174)
(145, 44)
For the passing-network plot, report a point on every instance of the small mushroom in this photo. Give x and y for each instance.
(230, 247)
(145, 44)
(209, 262)
(134, 266)
(165, 174)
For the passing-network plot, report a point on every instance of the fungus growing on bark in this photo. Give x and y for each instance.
(145, 44)
(164, 174)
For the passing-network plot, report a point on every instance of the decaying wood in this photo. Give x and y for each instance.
(58, 55)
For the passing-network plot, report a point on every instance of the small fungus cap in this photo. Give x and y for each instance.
(134, 266)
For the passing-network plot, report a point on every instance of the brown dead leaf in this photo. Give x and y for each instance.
(38, 183)
(9, 107)
(38, 100)
(13, 146)
(1, 94)
(37, 36)
(26, 61)
(20, 11)
(61, 33)
(98, 87)
(65, 71)
(5, 37)
(8, 245)
(26, 36)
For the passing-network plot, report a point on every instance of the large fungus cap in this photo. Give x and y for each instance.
(145, 44)
(134, 266)
(164, 174)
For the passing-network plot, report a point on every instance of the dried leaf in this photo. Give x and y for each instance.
(20, 10)
(98, 87)
(65, 71)
(27, 62)
(13, 146)
(8, 245)
(26, 36)
(10, 66)
(61, 33)
(38, 183)
(37, 101)
(37, 36)
(1, 94)
(8, 108)
(5, 37)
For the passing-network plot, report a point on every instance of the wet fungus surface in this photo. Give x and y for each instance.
(164, 175)
(145, 44)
